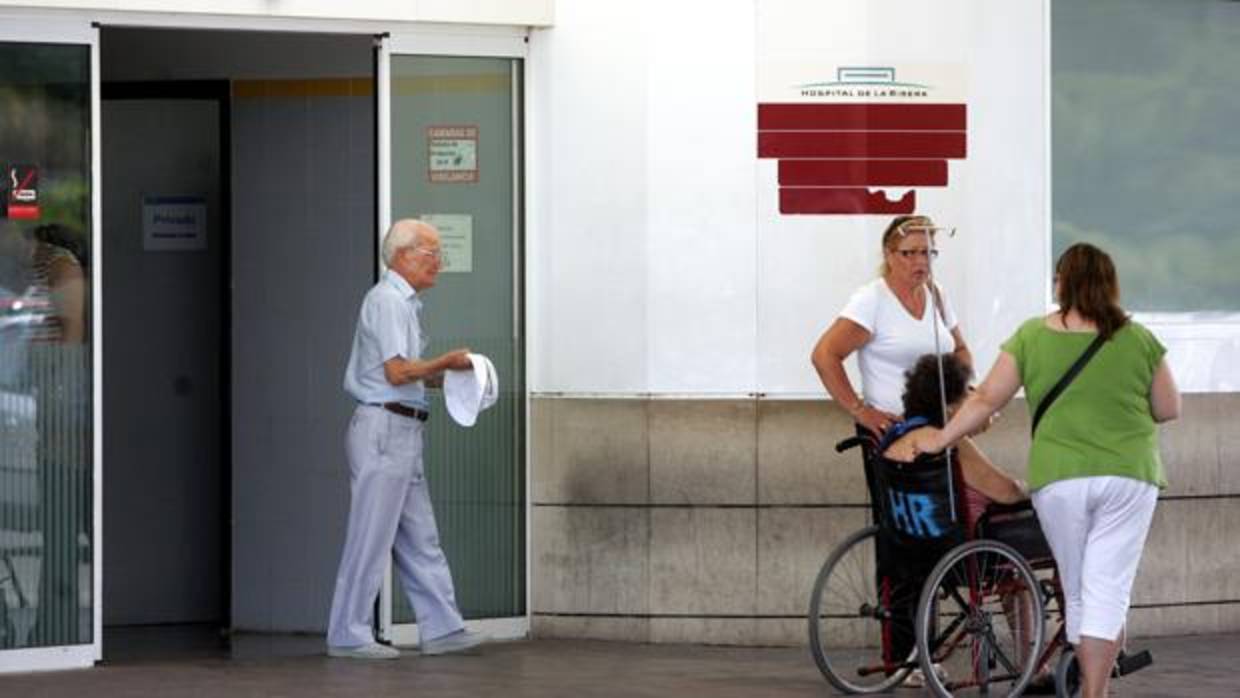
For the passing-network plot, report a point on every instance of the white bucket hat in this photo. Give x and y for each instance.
(470, 391)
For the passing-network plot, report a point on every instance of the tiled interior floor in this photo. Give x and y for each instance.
(196, 662)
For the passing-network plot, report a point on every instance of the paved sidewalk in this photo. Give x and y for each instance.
(257, 665)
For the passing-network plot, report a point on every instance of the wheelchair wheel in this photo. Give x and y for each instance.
(1067, 675)
(847, 623)
(980, 622)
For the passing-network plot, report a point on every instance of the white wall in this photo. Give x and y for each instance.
(659, 250)
(512, 12)
(587, 224)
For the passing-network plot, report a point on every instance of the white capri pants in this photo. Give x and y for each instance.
(1096, 527)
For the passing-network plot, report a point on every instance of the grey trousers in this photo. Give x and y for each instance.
(389, 513)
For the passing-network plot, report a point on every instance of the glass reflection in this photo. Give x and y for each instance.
(46, 554)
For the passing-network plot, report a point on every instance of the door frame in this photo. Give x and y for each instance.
(491, 42)
(220, 92)
(39, 30)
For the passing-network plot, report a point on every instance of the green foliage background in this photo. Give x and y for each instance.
(1146, 145)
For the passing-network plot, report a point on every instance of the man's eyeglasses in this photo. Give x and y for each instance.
(436, 255)
(928, 254)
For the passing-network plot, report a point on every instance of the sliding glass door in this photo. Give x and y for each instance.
(49, 505)
(451, 155)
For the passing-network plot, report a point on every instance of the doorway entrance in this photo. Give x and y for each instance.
(239, 199)
(166, 239)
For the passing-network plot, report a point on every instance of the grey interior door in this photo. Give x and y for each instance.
(163, 283)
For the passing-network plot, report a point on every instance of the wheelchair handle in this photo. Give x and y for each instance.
(850, 442)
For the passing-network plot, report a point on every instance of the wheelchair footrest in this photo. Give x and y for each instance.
(1128, 663)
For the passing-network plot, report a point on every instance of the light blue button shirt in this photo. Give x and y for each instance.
(387, 326)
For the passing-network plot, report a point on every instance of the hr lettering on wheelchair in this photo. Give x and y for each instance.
(913, 514)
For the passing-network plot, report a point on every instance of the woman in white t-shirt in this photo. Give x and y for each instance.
(889, 322)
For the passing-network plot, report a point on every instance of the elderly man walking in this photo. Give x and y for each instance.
(390, 506)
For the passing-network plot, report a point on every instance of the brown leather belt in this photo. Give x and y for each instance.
(406, 411)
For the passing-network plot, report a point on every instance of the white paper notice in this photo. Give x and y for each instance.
(174, 223)
(456, 240)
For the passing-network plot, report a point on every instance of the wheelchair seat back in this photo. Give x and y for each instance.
(918, 511)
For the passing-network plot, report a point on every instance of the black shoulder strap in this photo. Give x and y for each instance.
(1067, 378)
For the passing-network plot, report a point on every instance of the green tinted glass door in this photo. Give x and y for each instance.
(454, 153)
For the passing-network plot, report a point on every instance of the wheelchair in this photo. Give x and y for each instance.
(967, 604)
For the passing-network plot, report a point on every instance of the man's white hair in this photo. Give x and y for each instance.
(407, 232)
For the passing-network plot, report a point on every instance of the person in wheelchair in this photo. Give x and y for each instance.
(984, 482)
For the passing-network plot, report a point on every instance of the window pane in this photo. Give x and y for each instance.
(1146, 148)
(46, 552)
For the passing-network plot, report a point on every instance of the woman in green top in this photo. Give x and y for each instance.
(1094, 467)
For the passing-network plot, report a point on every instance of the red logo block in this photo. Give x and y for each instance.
(830, 155)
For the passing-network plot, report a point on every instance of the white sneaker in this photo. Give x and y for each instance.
(917, 679)
(452, 642)
(371, 651)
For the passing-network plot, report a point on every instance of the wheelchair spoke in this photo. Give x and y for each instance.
(954, 592)
(1000, 654)
(948, 640)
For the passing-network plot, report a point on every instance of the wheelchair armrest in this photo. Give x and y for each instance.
(997, 509)
(1018, 526)
(997, 513)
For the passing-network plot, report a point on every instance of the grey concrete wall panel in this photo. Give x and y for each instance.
(591, 560)
(595, 452)
(792, 545)
(616, 629)
(1199, 450)
(702, 452)
(703, 561)
(797, 462)
(721, 569)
